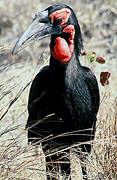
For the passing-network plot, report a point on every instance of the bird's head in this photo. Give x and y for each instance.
(59, 22)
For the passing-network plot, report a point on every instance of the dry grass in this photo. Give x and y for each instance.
(17, 159)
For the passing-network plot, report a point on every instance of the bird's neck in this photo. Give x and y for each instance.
(64, 54)
(61, 69)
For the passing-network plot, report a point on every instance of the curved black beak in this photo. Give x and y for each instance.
(39, 29)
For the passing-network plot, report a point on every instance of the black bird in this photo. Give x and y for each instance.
(65, 88)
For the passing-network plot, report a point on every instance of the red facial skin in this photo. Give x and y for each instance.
(62, 51)
(63, 14)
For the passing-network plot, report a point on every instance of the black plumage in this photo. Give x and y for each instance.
(68, 90)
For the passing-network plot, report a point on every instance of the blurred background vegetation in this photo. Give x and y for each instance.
(98, 21)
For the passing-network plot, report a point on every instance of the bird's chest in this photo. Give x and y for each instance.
(64, 97)
(71, 100)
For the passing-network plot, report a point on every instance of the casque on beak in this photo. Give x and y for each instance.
(39, 29)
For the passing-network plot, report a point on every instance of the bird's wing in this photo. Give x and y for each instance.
(38, 93)
(92, 85)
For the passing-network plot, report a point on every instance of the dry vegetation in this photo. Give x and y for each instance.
(98, 20)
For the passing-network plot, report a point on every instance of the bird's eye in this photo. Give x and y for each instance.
(57, 21)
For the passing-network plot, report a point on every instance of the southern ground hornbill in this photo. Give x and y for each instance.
(64, 88)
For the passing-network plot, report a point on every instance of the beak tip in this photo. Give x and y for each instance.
(14, 51)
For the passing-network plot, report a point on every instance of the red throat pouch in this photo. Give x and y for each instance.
(62, 51)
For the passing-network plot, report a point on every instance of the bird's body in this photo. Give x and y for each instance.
(64, 88)
(69, 92)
